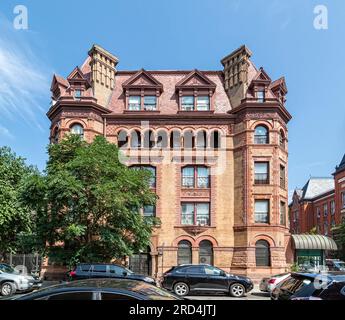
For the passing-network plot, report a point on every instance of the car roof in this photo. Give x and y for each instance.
(333, 275)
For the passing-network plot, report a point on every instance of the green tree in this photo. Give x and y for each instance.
(15, 217)
(87, 203)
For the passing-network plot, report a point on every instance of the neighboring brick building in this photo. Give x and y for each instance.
(216, 142)
(320, 205)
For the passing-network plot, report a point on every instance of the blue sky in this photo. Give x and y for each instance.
(157, 34)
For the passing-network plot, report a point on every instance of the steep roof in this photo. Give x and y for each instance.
(341, 166)
(317, 186)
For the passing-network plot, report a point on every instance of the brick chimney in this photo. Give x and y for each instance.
(103, 65)
(236, 66)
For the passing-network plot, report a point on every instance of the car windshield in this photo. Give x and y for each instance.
(7, 269)
(340, 265)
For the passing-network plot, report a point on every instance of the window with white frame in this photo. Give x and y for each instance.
(150, 103)
(262, 211)
(203, 103)
(187, 103)
(325, 210)
(134, 103)
(195, 177)
(195, 214)
(260, 95)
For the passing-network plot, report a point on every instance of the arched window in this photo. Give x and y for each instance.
(261, 135)
(262, 254)
(206, 252)
(184, 252)
(122, 139)
(78, 130)
(162, 139)
(281, 139)
(215, 140)
(135, 139)
(175, 139)
(201, 140)
(149, 139)
(188, 139)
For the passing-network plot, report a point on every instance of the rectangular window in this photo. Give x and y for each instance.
(318, 214)
(134, 103)
(343, 199)
(150, 103)
(282, 213)
(261, 172)
(332, 207)
(149, 211)
(195, 214)
(195, 177)
(77, 94)
(262, 211)
(282, 176)
(187, 103)
(261, 96)
(203, 103)
(325, 210)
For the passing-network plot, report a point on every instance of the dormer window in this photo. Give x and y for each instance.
(187, 103)
(77, 94)
(150, 103)
(203, 103)
(261, 95)
(134, 103)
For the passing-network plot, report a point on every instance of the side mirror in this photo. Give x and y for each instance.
(223, 274)
(124, 273)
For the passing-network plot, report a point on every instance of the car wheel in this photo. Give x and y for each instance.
(181, 289)
(8, 289)
(237, 290)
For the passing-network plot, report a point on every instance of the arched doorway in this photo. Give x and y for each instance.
(184, 252)
(141, 263)
(206, 252)
(262, 254)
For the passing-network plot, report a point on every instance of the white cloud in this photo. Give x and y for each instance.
(4, 132)
(24, 82)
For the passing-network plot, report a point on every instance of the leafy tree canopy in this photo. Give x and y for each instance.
(88, 203)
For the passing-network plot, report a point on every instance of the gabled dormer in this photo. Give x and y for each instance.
(142, 92)
(58, 86)
(259, 86)
(78, 83)
(195, 92)
(279, 89)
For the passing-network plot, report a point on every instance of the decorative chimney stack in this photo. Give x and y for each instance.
(236, 66)
(103, 65)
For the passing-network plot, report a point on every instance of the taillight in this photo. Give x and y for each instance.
(72, 274)
(272, 281)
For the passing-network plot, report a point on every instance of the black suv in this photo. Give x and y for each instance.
(311, 286)
(102, 270)
(204, 278)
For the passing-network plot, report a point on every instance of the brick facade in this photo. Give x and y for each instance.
(97, 97)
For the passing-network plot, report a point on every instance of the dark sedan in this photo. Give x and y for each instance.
(311, 286)
(104, 270)
(204, 278)
(101, 289)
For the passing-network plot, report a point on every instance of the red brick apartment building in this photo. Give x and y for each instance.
(320, 204)
(216, 142)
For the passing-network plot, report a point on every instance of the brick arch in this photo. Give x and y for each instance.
(188, 129)
(209, 238)
(180, 130)
(184, 237)
(266, 237)
(71, 122)
(118, 130)
(263, 123)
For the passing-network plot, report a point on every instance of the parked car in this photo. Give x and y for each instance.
(103, 270)
(267, 284)
(192, 278)
(335, 265)
(100, 289)
(311, 286)
(12, 281)
(263, 286)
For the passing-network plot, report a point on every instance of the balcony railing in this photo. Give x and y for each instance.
(261, 178)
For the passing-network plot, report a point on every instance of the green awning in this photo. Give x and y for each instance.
(313, 242)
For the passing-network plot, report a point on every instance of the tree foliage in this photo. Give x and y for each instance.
(15, 217)
(87, 203)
